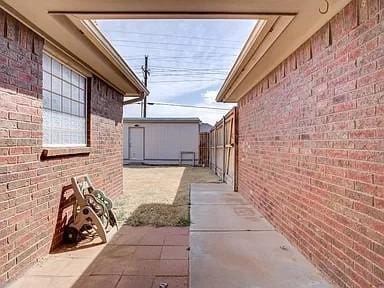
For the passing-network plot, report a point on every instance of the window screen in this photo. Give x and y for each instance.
(64, 105)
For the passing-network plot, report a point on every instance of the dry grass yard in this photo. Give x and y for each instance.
(158, 196)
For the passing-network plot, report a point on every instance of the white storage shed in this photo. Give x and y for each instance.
(161, 141)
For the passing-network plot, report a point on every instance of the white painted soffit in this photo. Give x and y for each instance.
(93, 33)
(78, 42)
(271, 42)
(301, 19)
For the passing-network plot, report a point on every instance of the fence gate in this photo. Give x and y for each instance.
(204, 149)
(223, 148)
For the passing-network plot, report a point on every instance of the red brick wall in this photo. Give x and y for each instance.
(33, 194)
(311, 146)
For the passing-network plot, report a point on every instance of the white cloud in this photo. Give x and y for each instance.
(210, 96)
(169, 91)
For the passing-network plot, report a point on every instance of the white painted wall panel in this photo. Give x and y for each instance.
(164, 141)
(125, 146)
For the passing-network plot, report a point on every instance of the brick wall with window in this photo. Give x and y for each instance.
(64, 105)
(61, 109)
(311, 146)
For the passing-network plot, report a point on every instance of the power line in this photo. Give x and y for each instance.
(199, 75)
(197, 59)
(188, 75)
(181, 57)
(183, 68)
(190, 70)
(186, 81)
(187, 71)
(194, 60)
(158, 48)
(196, 55)
(173, 35)
(185, 74)
(191, 65)
(174, 44)
(187, 106)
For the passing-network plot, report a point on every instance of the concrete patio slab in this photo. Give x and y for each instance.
(249, 259)
(173, 282)
(135, 281)
(44, 282)
(210, 187)
(97, 281)
(216, 197)
(215, 207)
(227, 217)
(233, 246)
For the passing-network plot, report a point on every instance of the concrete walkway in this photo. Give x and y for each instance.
(233, 246)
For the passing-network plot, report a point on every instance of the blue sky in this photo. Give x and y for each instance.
(188, 60)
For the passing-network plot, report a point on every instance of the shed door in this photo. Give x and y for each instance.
(136, 143)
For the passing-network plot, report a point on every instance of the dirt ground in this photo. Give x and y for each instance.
(158, 196)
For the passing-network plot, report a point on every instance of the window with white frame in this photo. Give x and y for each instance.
(64, 105)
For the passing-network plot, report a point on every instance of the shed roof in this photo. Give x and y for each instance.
(162, 120)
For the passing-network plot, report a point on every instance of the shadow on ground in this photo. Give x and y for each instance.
(136, 257)
(175, 213)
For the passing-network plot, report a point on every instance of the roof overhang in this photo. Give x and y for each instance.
(78, 42)
(272, 41)
(287, 25)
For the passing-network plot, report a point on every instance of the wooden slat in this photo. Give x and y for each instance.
(204, 149)
(223, 146)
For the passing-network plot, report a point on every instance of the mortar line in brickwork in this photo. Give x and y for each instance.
(234, 230)
(218, 204)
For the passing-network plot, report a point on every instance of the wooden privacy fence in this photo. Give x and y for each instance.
(204, 149)
(223, 148)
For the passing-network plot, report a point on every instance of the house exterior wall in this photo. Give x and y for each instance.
(311, 142)
(163, 142)
(35, 194)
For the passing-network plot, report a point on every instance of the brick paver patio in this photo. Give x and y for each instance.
(137, 257)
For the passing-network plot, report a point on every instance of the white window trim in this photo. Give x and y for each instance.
(73, 68)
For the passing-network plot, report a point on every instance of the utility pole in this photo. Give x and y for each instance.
(146, 74)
